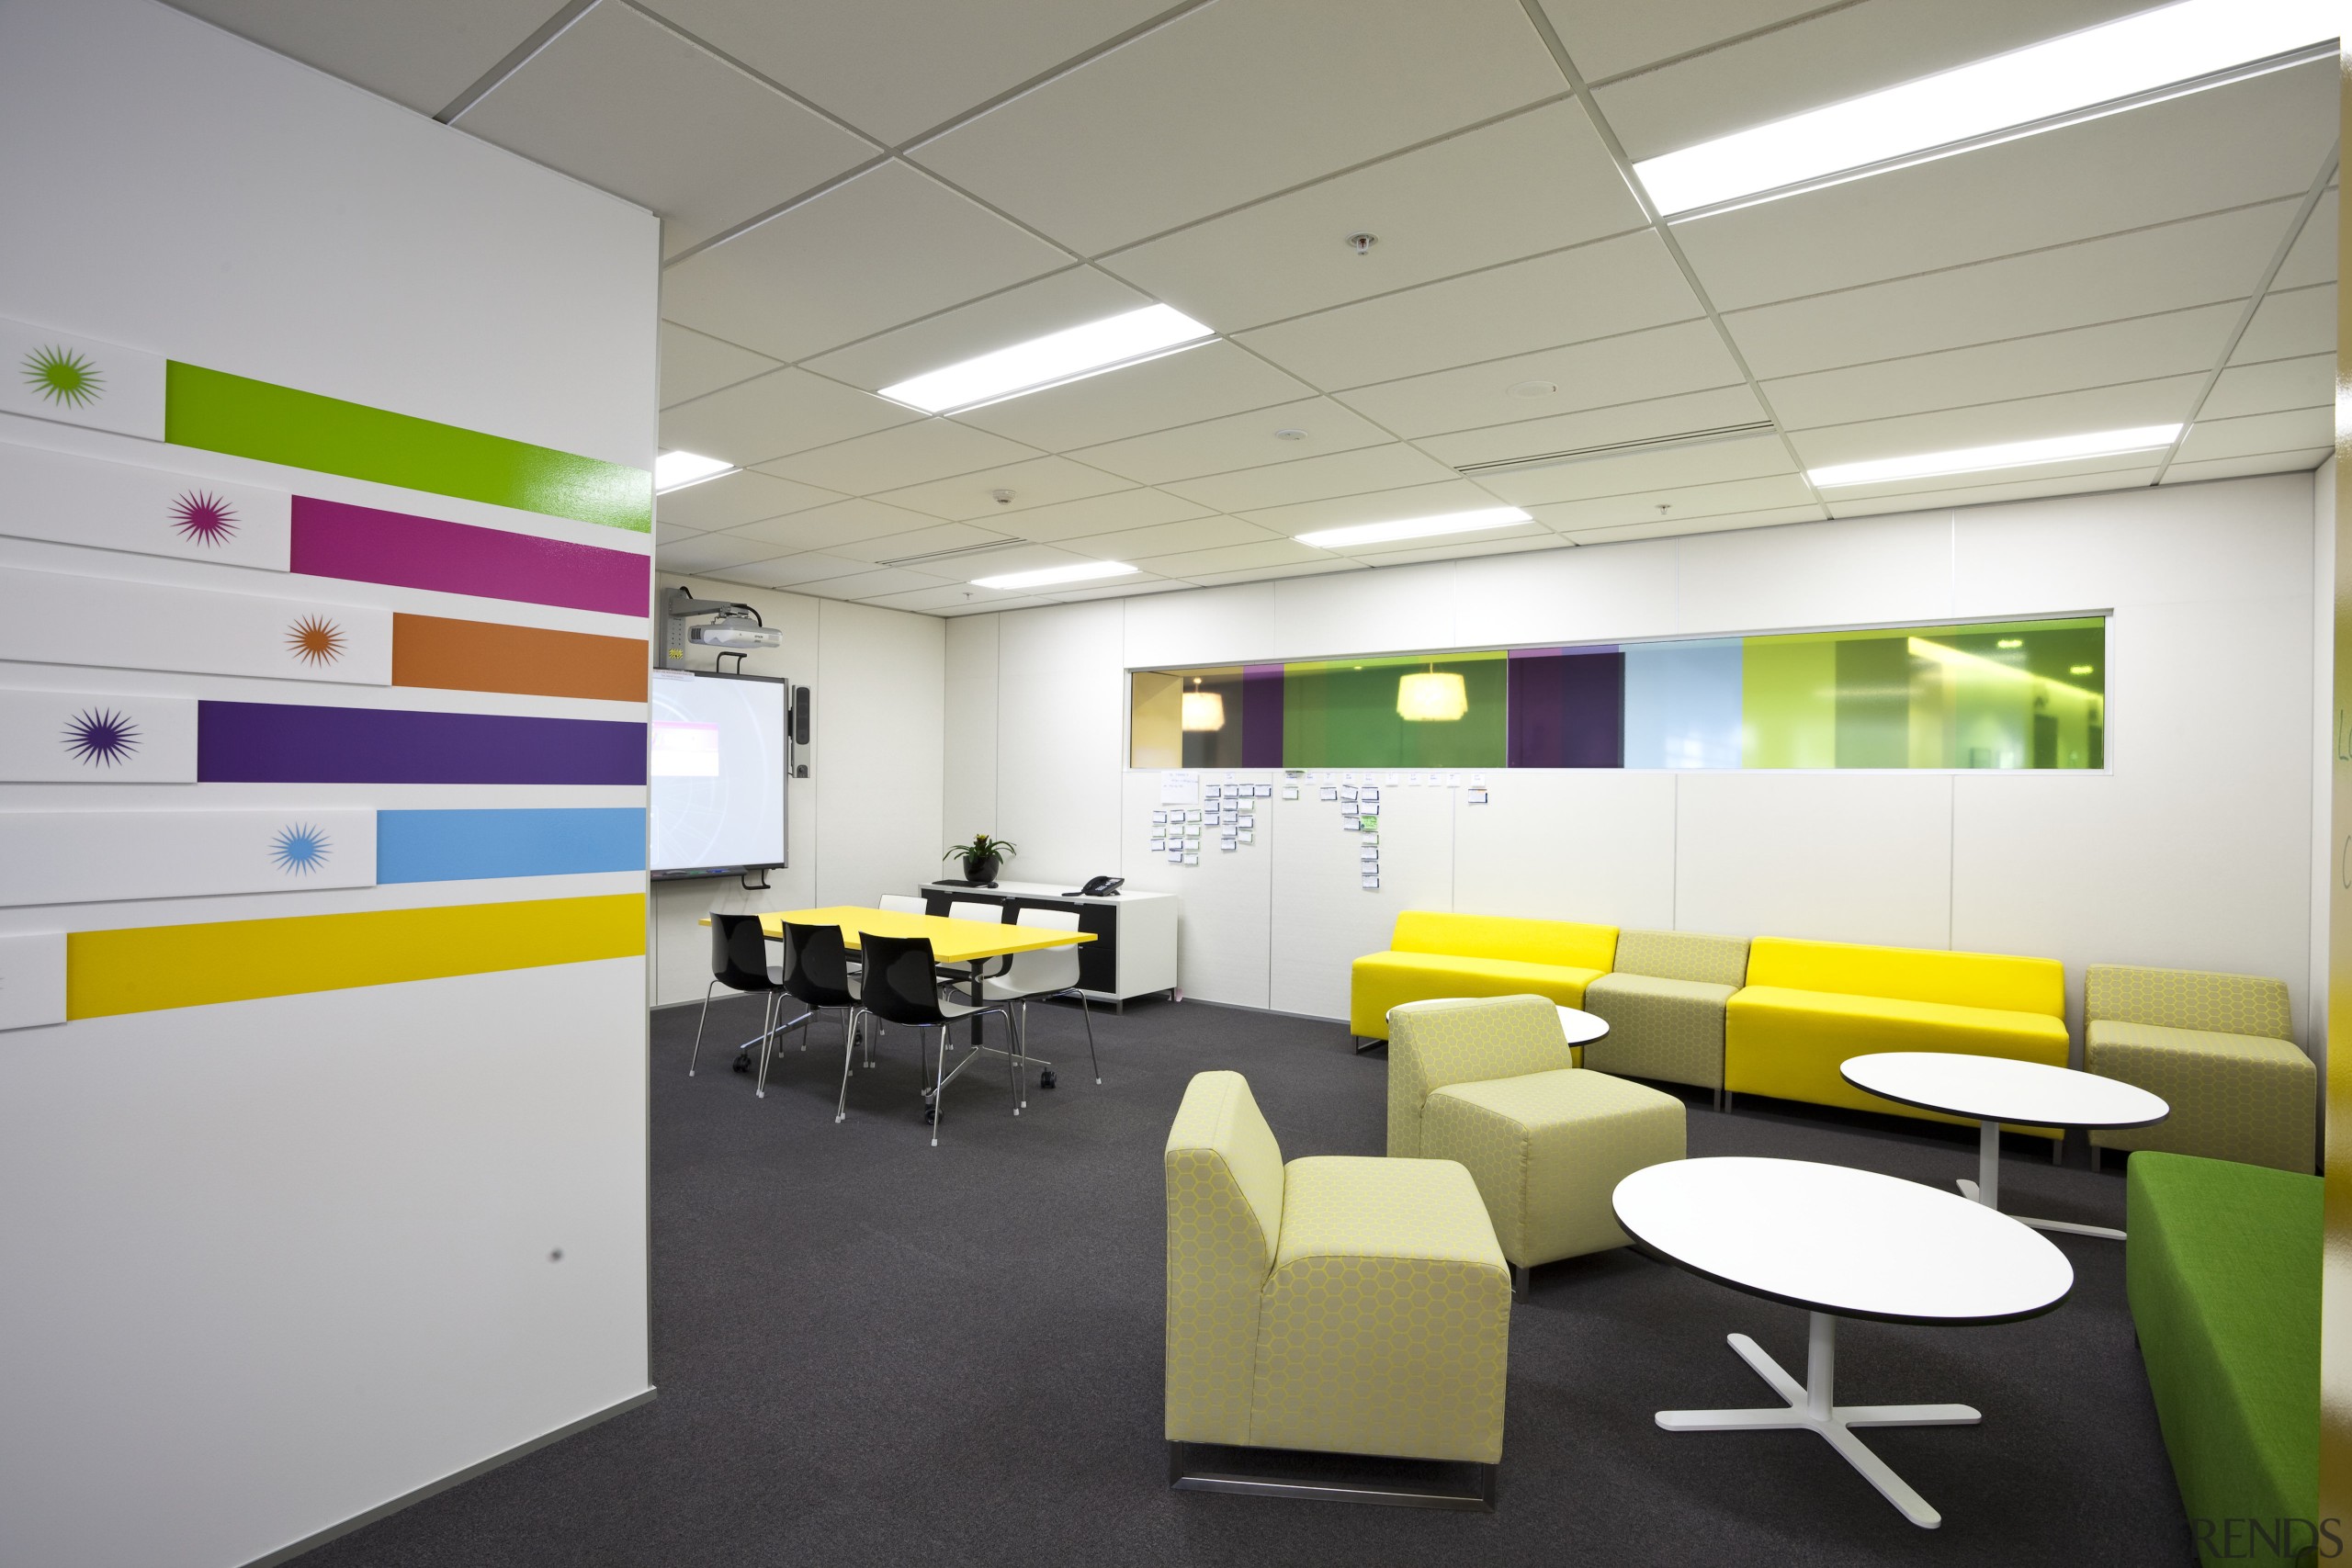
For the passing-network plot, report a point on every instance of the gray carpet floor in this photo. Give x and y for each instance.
(872, 1351)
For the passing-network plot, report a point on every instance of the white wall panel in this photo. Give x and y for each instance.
(1568, 844)
(1215, 625)
(89, 857)
(1222, 954)
(1817, 574)
(1855, 857)
(1323, 916)
(1601, 594)
(968, 787)
(1061, 737)
(876, 763)
(152, 511)
(1365, 611)
(32, 980)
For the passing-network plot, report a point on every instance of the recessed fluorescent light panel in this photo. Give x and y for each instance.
(2010, 455)
(1070, 355)
(1416, 528)
(2058, 82)
(676, 470)
(1080, 571)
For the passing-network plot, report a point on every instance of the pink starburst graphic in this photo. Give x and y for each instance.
(203, 518)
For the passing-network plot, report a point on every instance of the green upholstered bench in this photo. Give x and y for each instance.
(2223, 1269)
(1665, 1005)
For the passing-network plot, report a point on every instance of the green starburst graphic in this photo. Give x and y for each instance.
(63, 377)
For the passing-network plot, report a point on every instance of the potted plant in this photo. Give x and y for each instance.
(981, 858)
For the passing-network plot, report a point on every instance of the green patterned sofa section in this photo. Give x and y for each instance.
(1665, 1005)
(2223, 1269)
(1341, 1304)
(1487, 1081)
(2218, 1048)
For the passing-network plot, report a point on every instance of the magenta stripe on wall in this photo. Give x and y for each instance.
(364, 544)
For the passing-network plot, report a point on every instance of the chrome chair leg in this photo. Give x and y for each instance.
(849, 1049)
(698, 1027)
(938, 1085)
(1014, 1075)
(767, 1045)
(1087, 1013)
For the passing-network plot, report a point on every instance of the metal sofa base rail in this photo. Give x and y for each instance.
(1455, 1484)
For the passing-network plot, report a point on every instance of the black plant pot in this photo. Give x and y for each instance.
(980, 869)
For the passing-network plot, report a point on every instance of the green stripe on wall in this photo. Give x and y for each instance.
(220, 413)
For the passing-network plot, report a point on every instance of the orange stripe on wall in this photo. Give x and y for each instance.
(481, 656)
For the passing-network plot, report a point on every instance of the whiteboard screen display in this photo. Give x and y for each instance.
(715, 756)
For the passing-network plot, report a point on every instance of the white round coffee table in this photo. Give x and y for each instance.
(1839, 1243)
(1995, 1089)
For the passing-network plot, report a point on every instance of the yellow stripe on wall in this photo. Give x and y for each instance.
(151, 968)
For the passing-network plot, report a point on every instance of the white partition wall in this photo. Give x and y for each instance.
(325, 541)
(2191, 850)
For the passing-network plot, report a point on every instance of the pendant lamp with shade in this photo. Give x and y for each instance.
(1432, 695)
(1203, 711)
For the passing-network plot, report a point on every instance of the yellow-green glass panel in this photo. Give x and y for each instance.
(1342, 714)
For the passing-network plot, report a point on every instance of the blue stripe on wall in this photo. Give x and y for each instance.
(464, 846)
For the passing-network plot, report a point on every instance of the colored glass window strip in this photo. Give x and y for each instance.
(2013, 695)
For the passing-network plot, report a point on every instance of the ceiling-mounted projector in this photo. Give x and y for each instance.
(722, 634)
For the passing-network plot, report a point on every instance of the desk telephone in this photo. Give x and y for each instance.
(1098, 887)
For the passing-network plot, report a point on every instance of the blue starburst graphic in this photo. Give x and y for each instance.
(299, 848)
(100, 736)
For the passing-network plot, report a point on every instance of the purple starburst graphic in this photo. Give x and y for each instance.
(100, 736)
(203, 518)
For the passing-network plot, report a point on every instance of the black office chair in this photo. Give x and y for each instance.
(901, 985)
(739, 960)
(817, 971)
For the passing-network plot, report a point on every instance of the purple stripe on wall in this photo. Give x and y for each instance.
(1261, 716)
(282, 743)
(1567, 710)
(332, 538)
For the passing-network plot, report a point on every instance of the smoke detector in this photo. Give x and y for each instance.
(1290, 434)
(1361, 244)
(1002, 497)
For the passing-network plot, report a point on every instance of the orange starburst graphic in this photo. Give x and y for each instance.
(313, 639)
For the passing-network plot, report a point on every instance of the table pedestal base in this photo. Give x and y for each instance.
(1814, 1407)
(1986, 1188)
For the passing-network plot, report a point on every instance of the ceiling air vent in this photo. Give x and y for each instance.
(1618, 450)
(950, 554)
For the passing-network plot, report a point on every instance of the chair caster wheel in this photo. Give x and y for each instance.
(743, 1064)
(929, 1114)
(1045, 1079)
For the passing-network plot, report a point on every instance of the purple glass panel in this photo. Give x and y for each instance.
(1261, 716)
(282, 743)
(1567, 708)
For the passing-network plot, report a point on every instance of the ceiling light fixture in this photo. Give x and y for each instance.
(1053, 360)
(1415, 527)
(2063, 81)
(676, 470)
(2009, 454)
(1080, 571)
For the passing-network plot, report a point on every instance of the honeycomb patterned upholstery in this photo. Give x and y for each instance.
(1671, 1030)
(2238, 1097)
(1368, 1311)
(2187, 998)
(1434, 1043)
(1548, 1149)
(1684, 955)
(1386, 1323)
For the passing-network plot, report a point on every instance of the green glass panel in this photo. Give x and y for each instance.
(1342, 714)
(1788, 701)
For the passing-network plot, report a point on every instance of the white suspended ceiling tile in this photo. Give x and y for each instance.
(1840, 52)
(1236, 100)
(2299, 321)
(822, 527)
(2179, 343)
(2042, 478)
(963, 598)
(630, 106)
(2272, 387)
(712, 552)
(2196, 261)
(1315, 479)
(1073, 297)
(1607, 38)
(2293, 431)
(1644, 420)
(1101, 515)
(1273, 573)
(1642, 473)
(2128, 407)
(1611, 286)
(1980, 495)
(871, 585)
(971, 498)
(423, 54)
(2301, 461)
(1518, 542)
(1672, 502)
(1536, 182)
(1688, 356)
(904, 455)
(1671, 528)
(776, 415)
(895, 68)
(1261, 556)
(2251, 142)
(1237, 441)
(693, 363)
(1127, 588)
(1375, 506)
(1014, 554)
(901, 550)
(1185, 388)
(869, 254)
(1168, 539)
(794, 570)
(733, 499)
(2312, 258)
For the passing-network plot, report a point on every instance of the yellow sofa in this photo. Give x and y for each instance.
(1808, 1006)
(1436, 953)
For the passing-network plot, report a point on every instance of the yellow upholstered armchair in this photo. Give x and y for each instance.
(1489, 1081)
(1335, 1304)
